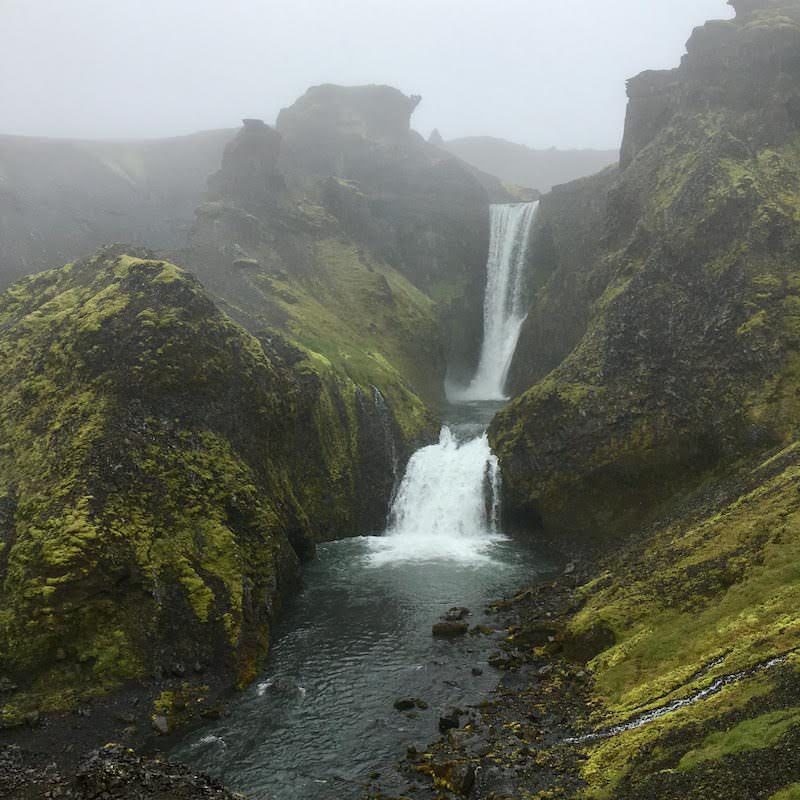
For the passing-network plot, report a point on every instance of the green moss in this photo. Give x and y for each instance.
(752, 734)
(612, 760)
(667, 637)
(789, 793)
(136, 505)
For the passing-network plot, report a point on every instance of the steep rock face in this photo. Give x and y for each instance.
(61, 199)
(677, 288)
(416, 207)
(249, 172)
(662, 427)
(161, 473)
(662, 424)
(329, 125)
(283, 265)
(746, 67)
(313, 257)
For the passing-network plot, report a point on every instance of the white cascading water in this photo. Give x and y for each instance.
(446, 507)
(503, 305)
(448, 502)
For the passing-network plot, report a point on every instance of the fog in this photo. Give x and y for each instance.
(535, 71)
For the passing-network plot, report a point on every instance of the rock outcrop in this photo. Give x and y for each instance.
(663, 332)
(351, 170)
(162, 474)
(249, 174)
(657, 425)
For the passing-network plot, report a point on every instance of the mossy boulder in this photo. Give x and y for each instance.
(162, 471)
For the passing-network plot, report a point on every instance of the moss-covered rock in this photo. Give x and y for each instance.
(161, 472)
(662, 341)
(658, 417)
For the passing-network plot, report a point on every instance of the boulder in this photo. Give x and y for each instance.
(450, 630)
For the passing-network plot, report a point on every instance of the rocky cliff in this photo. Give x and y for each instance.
(166, 465)
(413, 205)
(657, 423)
(162, 472)
(666, 293)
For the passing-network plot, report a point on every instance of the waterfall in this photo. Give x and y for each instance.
(503, 305)
(447, 505)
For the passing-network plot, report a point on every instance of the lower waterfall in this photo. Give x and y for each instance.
(446, 506)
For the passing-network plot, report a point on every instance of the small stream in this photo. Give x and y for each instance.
(321, 718)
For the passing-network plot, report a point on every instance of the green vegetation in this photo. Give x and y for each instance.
(667, 434)
(156, 462)
(752, 734)
(789, 793)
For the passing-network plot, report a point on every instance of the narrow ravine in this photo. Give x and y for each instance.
(321, 721)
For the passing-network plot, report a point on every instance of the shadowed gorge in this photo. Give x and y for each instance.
(377, 466)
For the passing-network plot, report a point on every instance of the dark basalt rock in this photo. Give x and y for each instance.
(450, 630)
(249, 175)
(409, 704)
(638, 366)
(451, 720)
(588, 644)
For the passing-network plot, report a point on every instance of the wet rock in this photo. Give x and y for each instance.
(160, 725)
(410, 703)
(482, 630)
(115, 772)
(450, 720)
(33, 718)
(476, 671)
(536, 635)
(501, 661)
(457, 776)
(456, 614)
(450, 630)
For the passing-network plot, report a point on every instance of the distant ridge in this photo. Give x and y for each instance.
(538, 169)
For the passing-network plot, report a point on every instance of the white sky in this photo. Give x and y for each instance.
(542, 72)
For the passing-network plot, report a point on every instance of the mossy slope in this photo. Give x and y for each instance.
(659, 423)
(678, 351)
(161, 470)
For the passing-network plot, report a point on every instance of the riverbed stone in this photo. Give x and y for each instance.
(450, 720)
(450, 630)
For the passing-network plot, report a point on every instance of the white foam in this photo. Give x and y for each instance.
(446, 507)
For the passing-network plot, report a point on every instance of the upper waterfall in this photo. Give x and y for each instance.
(503, 307)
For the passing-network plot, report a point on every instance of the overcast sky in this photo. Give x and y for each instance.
(542, 72)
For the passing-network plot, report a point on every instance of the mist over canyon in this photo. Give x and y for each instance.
(339, 460)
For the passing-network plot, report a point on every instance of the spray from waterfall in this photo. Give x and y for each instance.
(447, 505)
(504, 306)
